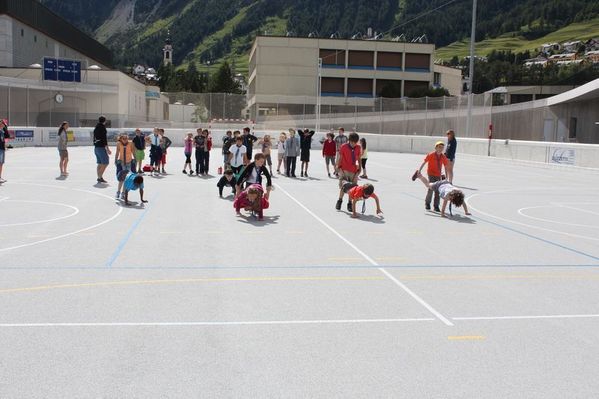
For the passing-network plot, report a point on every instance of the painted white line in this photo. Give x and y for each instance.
(581, 210)
(110, 219)
(521, 212)
(418, 299)
(560, 316)
(214, 323)
(469, 202)
(74, 208)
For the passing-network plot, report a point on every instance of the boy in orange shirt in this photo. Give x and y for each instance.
(435, 162)
(361, 193)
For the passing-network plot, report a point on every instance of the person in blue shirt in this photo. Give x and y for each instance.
(132, 182)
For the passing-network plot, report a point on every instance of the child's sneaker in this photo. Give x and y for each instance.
(118, 194)
(437, 209)
(415, 176)
(184, 172)
(338, 205)
(349, 206)
(191, 173)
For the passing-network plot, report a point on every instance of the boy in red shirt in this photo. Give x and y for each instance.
(435, 160)
(361, 193)
(348, 166)
(329, 151)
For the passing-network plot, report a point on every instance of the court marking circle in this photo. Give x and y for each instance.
(74, 208)
(108, 220)
(522, 213)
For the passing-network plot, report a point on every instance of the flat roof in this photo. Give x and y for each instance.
(340, 39)
(39, 17)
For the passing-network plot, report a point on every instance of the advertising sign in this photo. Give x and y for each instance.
(563, 156)
(62, 70)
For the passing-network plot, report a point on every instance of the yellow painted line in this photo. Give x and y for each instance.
(187, 280)
(500, 276)
(466, 338)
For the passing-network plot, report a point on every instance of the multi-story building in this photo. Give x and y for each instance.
(285, 71)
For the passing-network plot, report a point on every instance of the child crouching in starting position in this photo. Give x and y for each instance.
(252, 199)
(130, 181)
(361, 193)
(446, 191)
(227, 180)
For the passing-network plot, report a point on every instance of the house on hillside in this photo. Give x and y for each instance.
(540, 60)
(572, 46)
(549, 47)
(592, 44)
(592, 56)
(562, 57)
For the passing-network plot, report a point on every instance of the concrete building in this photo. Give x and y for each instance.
(29, 32)
(284, 72)
(506, 95)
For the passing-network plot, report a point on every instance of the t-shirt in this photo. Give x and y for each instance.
(62, 140)
(329, 148)
(340, 140)
(139, 142)
(100, 136)
(434, 162)
(266, 146)
(281, 147)
(349, 157)
(364, 153)
(444, 188)
(452, 145)
(129, 185)
(358, 193)
(188, 145)
(227, 143)
(237, 152)
(155, 140)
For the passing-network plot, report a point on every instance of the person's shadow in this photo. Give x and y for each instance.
(132, 204)
(456, 217)
(61, 177)
(101, 185)
(253, 220)
(377, 219)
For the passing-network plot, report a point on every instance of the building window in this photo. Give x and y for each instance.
(46, 44)
(572, 132)
(333, 87)
(412, 88)
(359, 87)
(35, 38)
(332, 58)
(388, 88)
(389, 61)
(167, 55)
(418, 62)
(22, 33)
(437, 79)
(361, 60)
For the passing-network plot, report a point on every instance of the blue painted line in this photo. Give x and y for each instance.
(534, 237)
(335, 267)
(125, 239)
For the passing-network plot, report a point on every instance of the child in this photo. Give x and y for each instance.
(228, 141)
(187, 146)
(155, 151)
(253, 172)
(238, 155)
(123, 159)
(226, 180)
(292, 149)
(165, 143)
(364, 157)
(248, 141)
(444, 189)
(329, 151)
(348, 166)
(62, 148)
(207, 148)
(132, 182)
(281, 152)
(3, 136)
(252, 199)
(361, 193)
(139, 141)
(266, 147)
(452, 145)
(436, 161)
(339, 141)
(305, 146)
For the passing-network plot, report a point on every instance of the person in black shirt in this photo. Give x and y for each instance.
(305, 146)
(228, 141)
(248, 141)
(227, 180)
(452, 146)
(139, 141)
(101, 148)
(252, 174)
(3, 136)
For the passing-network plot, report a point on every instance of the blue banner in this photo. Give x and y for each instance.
(50, 69)
(62, 70)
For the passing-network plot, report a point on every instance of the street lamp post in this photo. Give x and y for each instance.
(318, 94)
(471, 71)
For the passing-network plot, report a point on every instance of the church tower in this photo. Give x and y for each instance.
(167, 51)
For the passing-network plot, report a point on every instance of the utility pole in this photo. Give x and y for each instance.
(471, 71)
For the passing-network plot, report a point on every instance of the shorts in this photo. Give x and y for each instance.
(63, 153)
(346, 176)
(120, 168)
(281, 156)
(348, 186)
(163, 159)
(101, 156)
(2, 156)
(187, 157)
(140, 155)
(305, 156)
(329, 160)
(437, 184)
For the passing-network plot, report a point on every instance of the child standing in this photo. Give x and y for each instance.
(165, 143)
(281, 152)
(329, 151)
(226, 180)
(253, 172)
(292, 149)
(187, 146)
(339, 141)
(361, 193)
(452, 146)
(238, 155)
(364, 157)
(348, 166)
(3, 136)
(139, 141)
(435, 161)
(62, 148)
(228, 141)
(305, 146)
(266, 149)
(123, 159)
(155, 151)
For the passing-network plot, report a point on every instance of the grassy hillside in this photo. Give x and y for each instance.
(509, 41)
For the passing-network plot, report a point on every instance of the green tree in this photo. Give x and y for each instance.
(223, 82)
(192, 79)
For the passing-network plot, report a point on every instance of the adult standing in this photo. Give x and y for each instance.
(452, 146)
(62, 148)
(101, 148)
(3, 136)
(139, 141)
(248, 141)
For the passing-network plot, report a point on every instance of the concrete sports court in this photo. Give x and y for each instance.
(181, 298)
